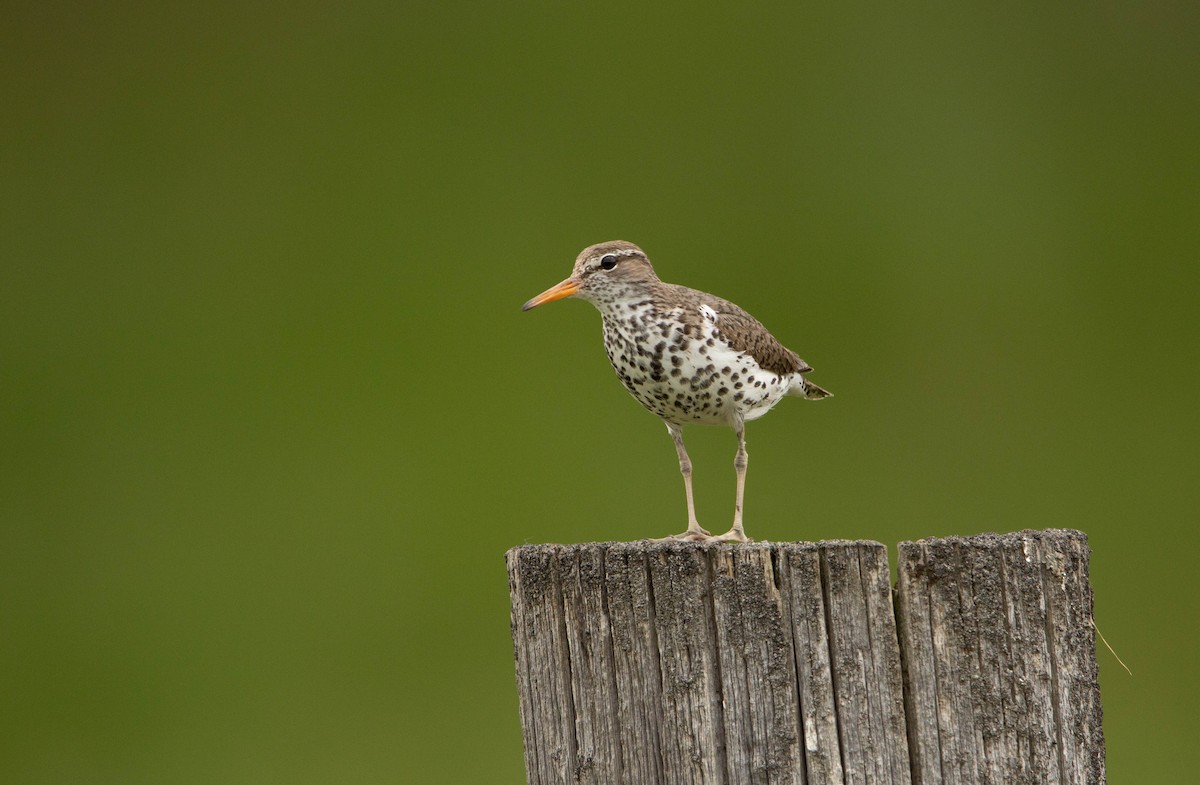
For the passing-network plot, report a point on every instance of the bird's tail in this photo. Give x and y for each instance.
(805, 389)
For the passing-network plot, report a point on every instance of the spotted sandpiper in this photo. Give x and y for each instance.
(685, 355)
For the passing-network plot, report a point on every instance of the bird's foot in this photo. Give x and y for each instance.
(693, 534)
(733, 535)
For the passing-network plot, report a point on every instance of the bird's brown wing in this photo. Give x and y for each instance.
(746, 334)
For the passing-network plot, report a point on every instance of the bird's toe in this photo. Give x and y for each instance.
(733, 535)
(691, 535)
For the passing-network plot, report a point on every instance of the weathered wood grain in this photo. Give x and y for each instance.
(543, 666)
(866, 663)
(692, 738)
(999, 660)
(635, 662)
(789, 663)
(1065, 558)
(592, 670)
(682, 663)
(800, 584)
(757, 669)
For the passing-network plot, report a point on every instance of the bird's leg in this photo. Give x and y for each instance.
(736, 534)
(694, 532)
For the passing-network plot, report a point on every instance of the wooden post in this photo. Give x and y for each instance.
(670, 663)
(999, 650)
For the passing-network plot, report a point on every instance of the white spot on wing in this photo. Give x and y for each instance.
(708, 313)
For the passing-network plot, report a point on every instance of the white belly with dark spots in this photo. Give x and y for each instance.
(687, 378)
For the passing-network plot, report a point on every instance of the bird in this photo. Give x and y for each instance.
(687, 356)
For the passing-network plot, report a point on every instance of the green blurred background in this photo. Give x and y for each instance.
(271, 415)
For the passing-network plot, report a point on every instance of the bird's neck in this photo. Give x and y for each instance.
(620, 300)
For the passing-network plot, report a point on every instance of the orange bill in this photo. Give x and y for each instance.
(556, 292)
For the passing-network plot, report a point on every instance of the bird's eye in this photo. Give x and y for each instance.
(608, 261)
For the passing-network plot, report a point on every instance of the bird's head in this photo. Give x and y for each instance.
(604, 273)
